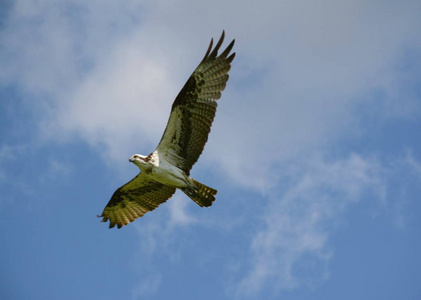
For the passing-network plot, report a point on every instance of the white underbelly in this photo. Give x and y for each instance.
(169, 175)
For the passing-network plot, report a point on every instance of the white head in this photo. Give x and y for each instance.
(139, 160)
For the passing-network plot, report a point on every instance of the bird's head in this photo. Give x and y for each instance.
(138, 160)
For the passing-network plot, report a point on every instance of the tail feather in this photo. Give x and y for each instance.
(200, 193)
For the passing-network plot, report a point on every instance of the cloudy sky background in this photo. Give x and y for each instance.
(315, 150)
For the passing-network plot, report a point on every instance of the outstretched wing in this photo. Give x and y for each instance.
(194, 109)
(134, 199)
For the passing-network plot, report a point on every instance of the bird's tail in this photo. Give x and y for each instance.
(200, 193)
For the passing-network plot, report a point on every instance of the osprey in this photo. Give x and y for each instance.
(168, 167)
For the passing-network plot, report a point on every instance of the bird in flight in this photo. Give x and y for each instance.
(168, 167)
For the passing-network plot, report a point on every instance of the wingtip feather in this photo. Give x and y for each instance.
(209, 50)
(231, 58)
(227, 50)
(214, 53)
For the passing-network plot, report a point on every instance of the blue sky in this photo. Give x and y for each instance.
(315, 150)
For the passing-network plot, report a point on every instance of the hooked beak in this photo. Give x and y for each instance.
(131, 159)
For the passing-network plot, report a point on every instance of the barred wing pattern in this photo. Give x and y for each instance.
(194, 109)
(134, 199)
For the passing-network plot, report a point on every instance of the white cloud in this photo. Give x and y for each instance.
(119, 107)
(294, 238)
(178, 213)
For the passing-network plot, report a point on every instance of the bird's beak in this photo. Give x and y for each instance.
(131, 159)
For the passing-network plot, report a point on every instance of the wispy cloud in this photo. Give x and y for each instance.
(298, 223)
(293, 246)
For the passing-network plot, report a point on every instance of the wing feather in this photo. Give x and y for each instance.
(193, 110)
(134, 199)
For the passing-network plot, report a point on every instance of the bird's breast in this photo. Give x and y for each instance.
(170, 175)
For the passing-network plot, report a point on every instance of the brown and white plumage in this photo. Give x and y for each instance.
(195, 107)
(168, 167)
(134, 199)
